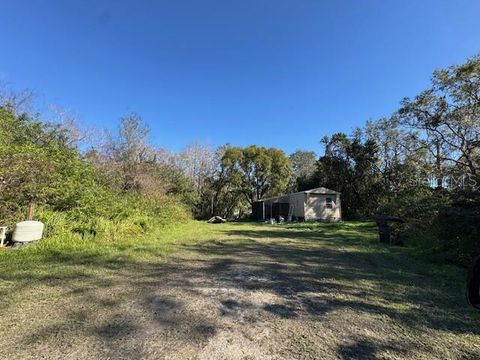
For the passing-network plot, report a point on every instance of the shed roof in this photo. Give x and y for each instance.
(319, 191)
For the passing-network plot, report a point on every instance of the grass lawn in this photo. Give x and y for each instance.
(236, 290)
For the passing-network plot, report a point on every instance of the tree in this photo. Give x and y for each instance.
(448, 115)
(26, 168)
(174, 179)
(64, 123)
(138, 168)
(256, 172)
(351, 167)
(402, 158)
(304, 164)
(225, 196)
(128, 156)
(197, 161)
(37, 167)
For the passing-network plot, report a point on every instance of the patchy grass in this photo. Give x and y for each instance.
(70, 257)
(234, 290)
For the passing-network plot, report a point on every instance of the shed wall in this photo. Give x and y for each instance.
(298, 201)
(309, 206)
(316, 207)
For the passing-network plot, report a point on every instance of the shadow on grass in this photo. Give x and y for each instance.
(292, 269)
(290, 263)
(295, 264)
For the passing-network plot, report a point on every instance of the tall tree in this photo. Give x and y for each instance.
(130, 154)
(448, 115)
(402, 158)
(304, 164)
(198, 164)
(226, 195)
(256, 171)
(351, 167)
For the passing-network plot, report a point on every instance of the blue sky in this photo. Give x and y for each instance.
(276, 73)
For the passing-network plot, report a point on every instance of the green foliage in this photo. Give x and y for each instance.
(421, 164)
(304, 165)
(458, 230)
(74, 197)
(442, 125)
(128, 188)
(36, 167)
(448, 116)
(256, 172)
(349, 166)
(441, 229)
(419, 205)
(179, 184)
(26, 169)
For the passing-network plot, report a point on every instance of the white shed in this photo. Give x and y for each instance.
(315, 204)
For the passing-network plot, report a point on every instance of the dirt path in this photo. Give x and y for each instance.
(253, 293)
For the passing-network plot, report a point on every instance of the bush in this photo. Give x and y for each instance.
(444, 226)
(75, 199)
(458, 230)
(419, 206)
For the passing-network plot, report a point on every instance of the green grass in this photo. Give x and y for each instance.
(333, 275)
(156, 242)
(364, 234)
(67, 256)
(66, 252)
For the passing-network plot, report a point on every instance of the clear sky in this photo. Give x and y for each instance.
(277, 73)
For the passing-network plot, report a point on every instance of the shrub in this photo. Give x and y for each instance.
(443, 225)
(458, 230)
(75, 199)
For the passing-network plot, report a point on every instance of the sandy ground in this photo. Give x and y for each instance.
(253, 293)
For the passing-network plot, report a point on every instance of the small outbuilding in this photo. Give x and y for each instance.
(315, 204)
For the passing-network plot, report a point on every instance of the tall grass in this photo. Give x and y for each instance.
(139, 232)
